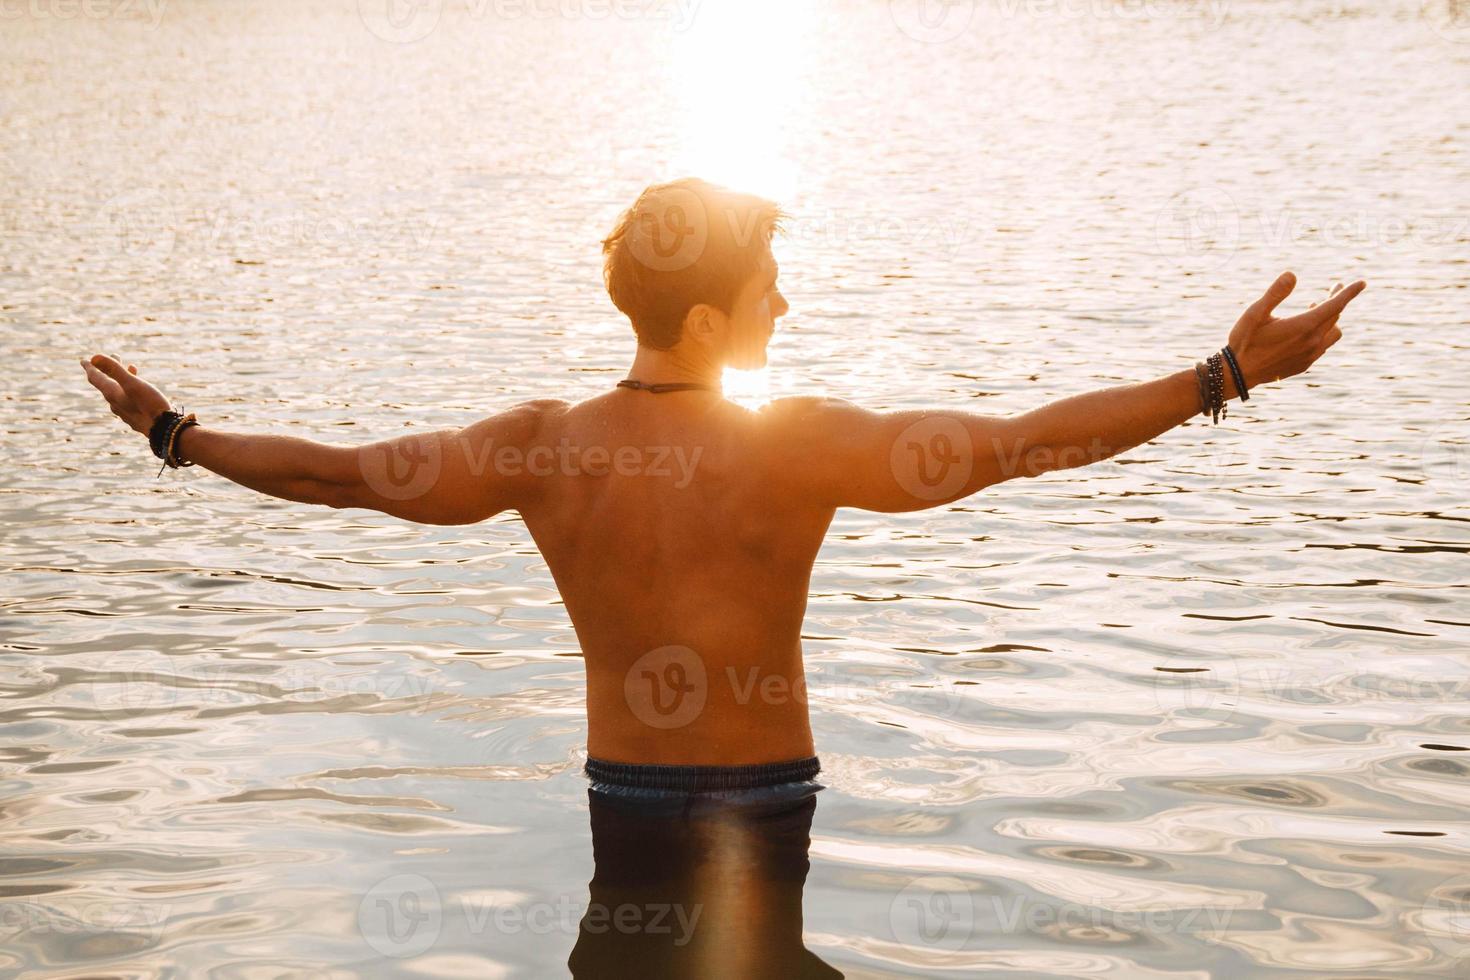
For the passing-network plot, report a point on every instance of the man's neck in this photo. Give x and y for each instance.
(673, 367)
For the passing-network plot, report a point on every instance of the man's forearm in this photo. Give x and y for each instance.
(281, 466)
(1087, 428)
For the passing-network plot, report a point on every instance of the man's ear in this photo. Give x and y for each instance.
(702, 322)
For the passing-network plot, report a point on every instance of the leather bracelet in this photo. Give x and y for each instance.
(159, 431)
(1236, 373)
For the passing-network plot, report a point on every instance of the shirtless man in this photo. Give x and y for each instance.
(681, 528)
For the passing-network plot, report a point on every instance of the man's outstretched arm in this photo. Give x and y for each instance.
(910, 460)
(445, 476)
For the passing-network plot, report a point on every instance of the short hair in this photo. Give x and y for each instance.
(683, 243)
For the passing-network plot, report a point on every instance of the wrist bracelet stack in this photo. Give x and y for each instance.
(1210, 375)
(163, 437)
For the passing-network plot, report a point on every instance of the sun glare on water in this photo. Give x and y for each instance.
(739, 71)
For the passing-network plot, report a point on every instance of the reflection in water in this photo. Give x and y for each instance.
(697, 887)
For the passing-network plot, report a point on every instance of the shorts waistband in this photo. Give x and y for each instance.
(701, 778)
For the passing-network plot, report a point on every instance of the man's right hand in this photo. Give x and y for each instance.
(131, 399)
(1271, 348)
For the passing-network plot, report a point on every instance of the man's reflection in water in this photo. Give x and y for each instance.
(703, 886)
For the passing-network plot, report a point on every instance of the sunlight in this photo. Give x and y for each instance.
(738, 70)
(740, 75)
(748, 389)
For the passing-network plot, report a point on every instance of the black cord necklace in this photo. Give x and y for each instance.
(659, 389)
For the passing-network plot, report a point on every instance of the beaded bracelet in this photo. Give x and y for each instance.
(1218, 410)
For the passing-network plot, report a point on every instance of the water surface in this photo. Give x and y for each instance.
(1199, 711)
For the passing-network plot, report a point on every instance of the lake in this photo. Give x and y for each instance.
(1201, 710)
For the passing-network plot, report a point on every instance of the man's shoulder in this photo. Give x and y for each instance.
(541, 408)
(811, 410)
(525, 421)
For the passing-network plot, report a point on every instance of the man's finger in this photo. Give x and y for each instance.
(1334, 305)
(110, 389)
(113, 369)
(1272, 297)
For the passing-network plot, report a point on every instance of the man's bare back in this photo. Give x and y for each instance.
(682, 528)
(684, 570)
